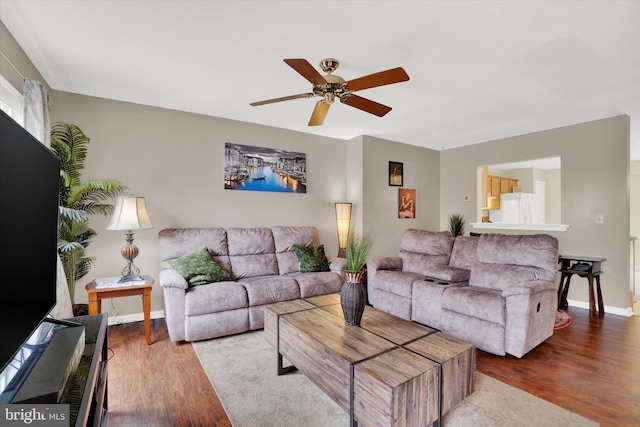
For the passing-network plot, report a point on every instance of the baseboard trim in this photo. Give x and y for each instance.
(159, 314)
(626, 312)
(136, 317)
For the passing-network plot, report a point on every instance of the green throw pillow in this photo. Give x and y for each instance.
(311, 258)
(200, 268)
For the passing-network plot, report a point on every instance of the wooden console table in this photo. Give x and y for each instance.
(96, 295)
(568, 269)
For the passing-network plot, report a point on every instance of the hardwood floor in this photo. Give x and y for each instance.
(591, 368)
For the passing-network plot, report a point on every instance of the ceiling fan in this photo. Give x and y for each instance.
(329, 87)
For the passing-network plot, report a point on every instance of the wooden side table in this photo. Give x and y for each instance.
(567, 270)
(96, 295)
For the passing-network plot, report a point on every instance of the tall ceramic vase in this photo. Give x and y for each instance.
(353, 298)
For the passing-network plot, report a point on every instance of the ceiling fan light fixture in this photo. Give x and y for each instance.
(329, 98)
(329, 87)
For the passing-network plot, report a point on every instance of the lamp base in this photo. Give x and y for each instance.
(133, 278)
(130, 273)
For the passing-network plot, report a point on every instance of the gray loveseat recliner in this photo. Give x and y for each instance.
(496, 291)
(264, 270)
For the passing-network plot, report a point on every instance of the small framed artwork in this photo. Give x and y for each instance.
(395, 174)
(406, 203)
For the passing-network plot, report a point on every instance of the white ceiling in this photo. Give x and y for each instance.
(479, 70)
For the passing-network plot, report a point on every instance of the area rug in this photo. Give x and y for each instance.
(563, 319)
(242, 370)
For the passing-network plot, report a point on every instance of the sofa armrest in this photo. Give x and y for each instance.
(337, 265)
(384, 263)
(446, 274)
(529, 288)
(170, 278)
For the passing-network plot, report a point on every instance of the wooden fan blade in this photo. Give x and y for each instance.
(395, 75)
(284, 98)
(306, 70)
(367, 105)
(319, 113)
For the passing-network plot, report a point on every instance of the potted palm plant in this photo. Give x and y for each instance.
(353, 295)
(78, 201)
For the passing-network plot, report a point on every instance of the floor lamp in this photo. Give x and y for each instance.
(343, 225)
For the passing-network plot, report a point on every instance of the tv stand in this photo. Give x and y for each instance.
(82, 360)
(48, 372)
(91, 408)
(63, 322)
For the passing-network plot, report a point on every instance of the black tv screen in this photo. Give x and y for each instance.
(29, 190)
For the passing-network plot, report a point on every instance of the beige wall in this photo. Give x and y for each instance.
(553, 206)
(594, 178)
(634, 193)
(421, 171)
(176, 161)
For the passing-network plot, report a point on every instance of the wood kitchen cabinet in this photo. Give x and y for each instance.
(493, 186)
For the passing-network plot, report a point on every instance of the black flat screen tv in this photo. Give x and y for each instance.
(29, 190)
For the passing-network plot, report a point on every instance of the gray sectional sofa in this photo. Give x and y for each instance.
(496, 291)
(263, 267)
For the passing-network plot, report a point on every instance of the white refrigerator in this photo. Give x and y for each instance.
(519, 208)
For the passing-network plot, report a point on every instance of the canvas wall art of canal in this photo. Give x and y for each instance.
(264, 169)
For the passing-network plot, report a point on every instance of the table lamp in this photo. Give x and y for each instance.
(130, 213)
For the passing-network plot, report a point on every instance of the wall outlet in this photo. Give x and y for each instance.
(466, 198)
(599, 218)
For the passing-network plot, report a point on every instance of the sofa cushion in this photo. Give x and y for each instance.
(463, 254)
(537, 250)
(426, 242)
(311, 258)
(320, 283)
(214, 298)
(251, 252)
(483, 304)
(270, 289)
(284, 239)
(501, 276)
(395, 282)
(420, 249)
(176, 242)
(199, 268)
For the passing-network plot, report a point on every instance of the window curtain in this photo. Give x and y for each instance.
(37, 107)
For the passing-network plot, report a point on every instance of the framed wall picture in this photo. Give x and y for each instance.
(406, 203)
(264, 169)
(395, 174)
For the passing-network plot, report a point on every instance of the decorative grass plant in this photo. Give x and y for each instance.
(353, 295)
(357, 250)
(456, 225)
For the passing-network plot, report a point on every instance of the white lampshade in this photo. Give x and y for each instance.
(130, 213)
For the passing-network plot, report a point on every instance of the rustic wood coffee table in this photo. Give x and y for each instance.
(389, 371)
